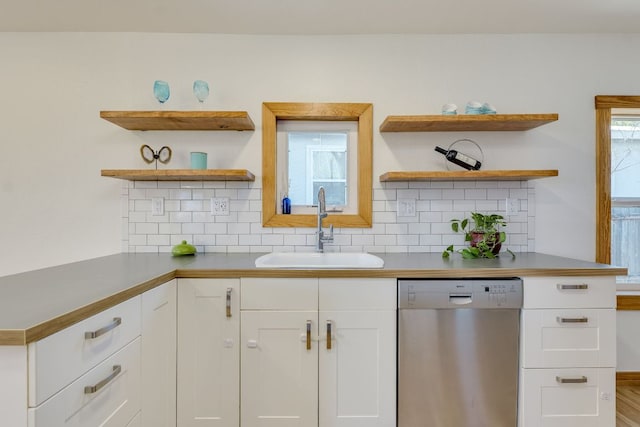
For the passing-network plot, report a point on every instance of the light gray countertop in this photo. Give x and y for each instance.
(36, 304)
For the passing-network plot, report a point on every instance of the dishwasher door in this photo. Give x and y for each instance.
(458, 367)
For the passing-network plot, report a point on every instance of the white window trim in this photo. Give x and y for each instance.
(310, 158)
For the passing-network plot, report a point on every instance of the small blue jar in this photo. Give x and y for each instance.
(286, 205)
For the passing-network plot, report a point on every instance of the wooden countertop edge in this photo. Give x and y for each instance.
(54, 325)
(628, 302)
(43, 330)
(401, 273)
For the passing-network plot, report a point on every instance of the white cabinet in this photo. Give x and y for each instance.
(88, 373)
(318, 352)
(580, 397)
(159, 308)
(60, 358)
(279, 352)
(208, 353)
(568, 357)
(108, 395)
(116, 368)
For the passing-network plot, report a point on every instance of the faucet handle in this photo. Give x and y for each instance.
(330, 238)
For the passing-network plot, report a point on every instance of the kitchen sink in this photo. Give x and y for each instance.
(319, 260)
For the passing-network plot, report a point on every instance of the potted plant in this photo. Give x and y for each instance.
(484, 237)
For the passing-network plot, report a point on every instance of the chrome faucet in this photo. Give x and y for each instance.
(322, 213)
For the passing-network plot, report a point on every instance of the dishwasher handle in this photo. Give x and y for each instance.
(460, 299)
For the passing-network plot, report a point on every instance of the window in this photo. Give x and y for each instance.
(359, 162)
(625, 194)
(315, 154)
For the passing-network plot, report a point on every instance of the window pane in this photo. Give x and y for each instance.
(625, 157)
(317, 159)
(329, 165)
(625, 240)
(625, 196)
(334, 193)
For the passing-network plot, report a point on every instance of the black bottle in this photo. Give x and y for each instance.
(460, 159)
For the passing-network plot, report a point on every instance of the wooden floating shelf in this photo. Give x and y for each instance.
(180, 174)
(488, 175)
(456, 123)
(180, 120)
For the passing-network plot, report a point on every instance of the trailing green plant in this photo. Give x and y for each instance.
(484, 237)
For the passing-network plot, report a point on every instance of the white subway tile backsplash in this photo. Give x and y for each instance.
(146, 228)
(191, 205)
(180, 216)
(215, 228)
(455, 194)
(273, 239)
(188, 217)
(252, 239)
(180, 194)
(192, 228)
(159, 239)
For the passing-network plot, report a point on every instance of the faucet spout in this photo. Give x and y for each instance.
(322, 213)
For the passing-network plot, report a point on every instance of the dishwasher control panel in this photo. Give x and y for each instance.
(460, 293)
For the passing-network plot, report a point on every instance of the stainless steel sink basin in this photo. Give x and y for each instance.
(312, 260)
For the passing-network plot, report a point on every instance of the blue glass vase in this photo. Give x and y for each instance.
(201, 90)
(161, 91)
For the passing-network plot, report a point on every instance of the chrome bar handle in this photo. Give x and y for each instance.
(579, 380)
(565, 287)
(90, 389)
(329, 334)
(95, 334)
(308, 334)
(228, 302)
(572, 319)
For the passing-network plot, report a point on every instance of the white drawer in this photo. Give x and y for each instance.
(357, 294)
(569, 292)
(558, 338)
(547, 402)
(58, 359)
(278, 294)
(115, 404)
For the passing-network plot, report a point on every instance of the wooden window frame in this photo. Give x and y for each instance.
(358, 112)
(604, 104)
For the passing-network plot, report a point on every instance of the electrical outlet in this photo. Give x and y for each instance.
(512, 206)
(219, 206)
(406, 207)
(157, 206)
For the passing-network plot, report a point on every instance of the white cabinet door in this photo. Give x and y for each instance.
(159, 356)
(579, 397)
(357, 380)
(357, 373)
(208, 353)
(279, 369)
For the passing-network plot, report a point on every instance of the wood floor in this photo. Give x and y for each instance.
(628, 405)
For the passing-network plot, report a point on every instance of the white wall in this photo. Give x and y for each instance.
(55, 207)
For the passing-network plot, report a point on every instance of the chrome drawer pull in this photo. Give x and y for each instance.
(580, 380)
(572, 319)
(581, 286)
(228, 302)
(90, 389)
(95, 334)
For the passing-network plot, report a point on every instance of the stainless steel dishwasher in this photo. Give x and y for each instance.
(458, 346)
